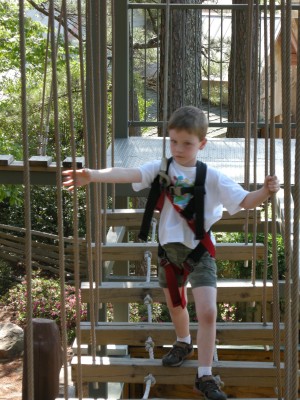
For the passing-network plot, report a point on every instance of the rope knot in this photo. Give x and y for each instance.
(149, 344)
(150, 378)
(147, 255)
(148, 300)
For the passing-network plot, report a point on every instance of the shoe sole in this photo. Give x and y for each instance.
(195, 390)
(188, 356)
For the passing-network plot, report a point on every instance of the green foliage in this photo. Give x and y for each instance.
(11, 138)
(7, 278)
(139, 312)
(46, 302)
(9, 38)
(44, 215)
(240, 270)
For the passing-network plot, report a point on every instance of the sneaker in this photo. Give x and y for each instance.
(209, 387)
(179, 352)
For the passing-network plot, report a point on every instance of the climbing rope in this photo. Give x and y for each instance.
(166, 74)
(266, 128)
(149, 344)
(27, 208)
(290, 387)
(87, 189)
(43, 139)
(296, 231)
(60, 227)
(154, 226)
(275, 281)
(150, 381)
(75, 197)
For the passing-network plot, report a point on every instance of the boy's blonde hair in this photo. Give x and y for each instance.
(190, 119)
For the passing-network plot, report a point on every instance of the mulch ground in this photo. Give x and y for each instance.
(11, 371)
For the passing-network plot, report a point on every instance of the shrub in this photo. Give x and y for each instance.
(7, 278)
(46, 303)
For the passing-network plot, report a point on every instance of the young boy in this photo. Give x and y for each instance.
(187, 131)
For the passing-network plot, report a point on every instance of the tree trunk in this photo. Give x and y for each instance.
(184, 86)
(238, 70)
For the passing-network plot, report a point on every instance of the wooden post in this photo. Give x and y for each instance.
(47, 360)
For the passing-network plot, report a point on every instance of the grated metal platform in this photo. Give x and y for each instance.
(225, 154)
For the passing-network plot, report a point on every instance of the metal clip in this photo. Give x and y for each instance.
(164, 177)
(175, 190)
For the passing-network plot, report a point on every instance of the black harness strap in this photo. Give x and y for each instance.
(155, 197)
(195, 207)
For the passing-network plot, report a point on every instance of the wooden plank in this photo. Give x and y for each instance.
(114, 369)
(40, 161)
(135, 334)
(132, 292)
(68, 162)
(136, 251)
(133, 217)
(6, 159)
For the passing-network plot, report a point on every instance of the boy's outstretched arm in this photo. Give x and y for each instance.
(257, 197)
(85, 176)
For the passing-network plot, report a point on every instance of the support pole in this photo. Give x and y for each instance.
(47, 355)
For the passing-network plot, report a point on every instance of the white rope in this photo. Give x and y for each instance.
(147, 258)
(216, 357)
(148, 302)
(154, 225)
(149, 346)
(150, 381)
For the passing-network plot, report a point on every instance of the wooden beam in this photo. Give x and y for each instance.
(131, 292)
(136, 251)
(133, 217)
(135, 334)
(134, 370)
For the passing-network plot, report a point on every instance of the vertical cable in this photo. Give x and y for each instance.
(88, 191)
(27, 205)
(40, 136)
(276, 306)
(248, 110)
(60, 228)
(256, 13)
(295, 264)
(266, 128)
(286, 126)
(75, 195)
(166, 74)
(113, 113)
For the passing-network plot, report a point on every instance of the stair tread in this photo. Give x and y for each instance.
(134, 370)
(135, 292)
(162, 333)
(135, 251)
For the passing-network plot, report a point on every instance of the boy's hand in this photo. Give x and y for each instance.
(81, 177)
(272, 184)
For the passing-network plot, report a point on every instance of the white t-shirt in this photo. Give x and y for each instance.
(221, 191)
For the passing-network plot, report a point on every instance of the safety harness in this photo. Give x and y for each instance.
(193, 213)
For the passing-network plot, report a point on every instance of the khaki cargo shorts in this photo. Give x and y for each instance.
(204, 273)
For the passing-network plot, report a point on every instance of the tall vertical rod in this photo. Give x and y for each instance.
(27, 202)
(121, 76)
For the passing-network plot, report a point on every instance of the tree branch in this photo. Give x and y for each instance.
(43, 11)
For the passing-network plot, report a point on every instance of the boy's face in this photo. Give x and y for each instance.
(184, 147)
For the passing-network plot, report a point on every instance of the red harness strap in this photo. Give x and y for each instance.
(171, 269)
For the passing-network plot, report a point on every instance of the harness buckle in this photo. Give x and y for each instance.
(175, 190)
(164, 178)
(189, 265)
